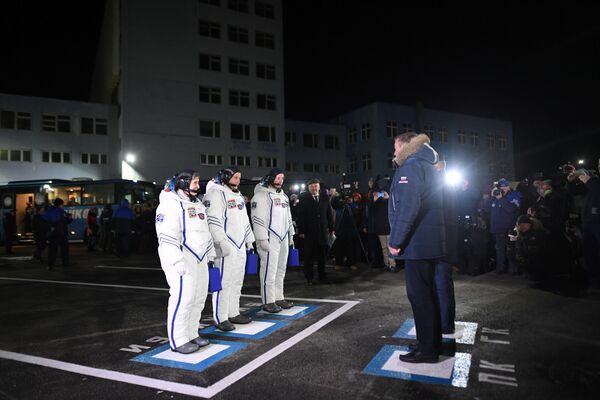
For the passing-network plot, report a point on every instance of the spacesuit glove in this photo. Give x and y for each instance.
(263, 244)
(249, 246)
(224, 249)
(181, 269)
(292, 242)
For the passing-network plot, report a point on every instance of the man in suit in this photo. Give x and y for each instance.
(315, 224)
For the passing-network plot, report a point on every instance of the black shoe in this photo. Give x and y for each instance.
(240, 319)
(284, 304)
(201, 342)
(187, 348)
(416, 357)
(225, 326)
(413, 347)
(271, 307)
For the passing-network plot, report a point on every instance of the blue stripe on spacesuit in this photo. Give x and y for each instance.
(184, 237)
(175, 313)
(265, 280)
(170, 237)
(271, 220)
(225, 218)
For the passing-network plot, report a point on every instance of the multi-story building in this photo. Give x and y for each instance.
(197, 83)
(481, 148)
(315, 150)
(48, 138)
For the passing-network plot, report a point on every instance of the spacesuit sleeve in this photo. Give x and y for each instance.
(291, 230)
(248, 229)
(215, 210)
(168, 232)
(260, 216)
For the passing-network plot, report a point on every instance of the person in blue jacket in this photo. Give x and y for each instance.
(57, 222)
(122, 222)
(504, 209)
(415, 211)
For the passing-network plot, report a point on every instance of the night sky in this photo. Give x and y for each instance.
(537, 67)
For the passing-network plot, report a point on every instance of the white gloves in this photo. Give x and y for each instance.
(249, 246)
(181, 268)
(224, 249)
(263, 244)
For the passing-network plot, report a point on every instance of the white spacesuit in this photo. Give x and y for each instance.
(230, 227)
(185, 247)
(274, 231)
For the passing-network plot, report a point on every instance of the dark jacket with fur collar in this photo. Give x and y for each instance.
(416, 205)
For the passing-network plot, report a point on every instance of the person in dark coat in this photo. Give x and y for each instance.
(122, 223)
(348, 223)
(58, 233)
(106, 236)
(373, 245)
(504, 209)
(92, 228)
(10, 230)
(314, 219)
(381, 224)
(40, 231)
(418, 236)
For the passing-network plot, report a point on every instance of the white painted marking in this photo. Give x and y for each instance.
(114, 267)
(175, 387)
(496, 331)
(17, 258)
(252, 328)
(289, 312)
(497, 367)
(193, 358)
(442, 369)
(485, 339)
(498, 379)
(190, 390)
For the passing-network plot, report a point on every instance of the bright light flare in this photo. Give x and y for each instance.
(454, 178)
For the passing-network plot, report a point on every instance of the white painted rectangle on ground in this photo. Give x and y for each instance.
(442, 369)
(193, 358)
(289, 312)
(253, 327)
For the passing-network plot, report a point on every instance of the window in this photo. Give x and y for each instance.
(211, 159)
(290, 138)
(291, 166)
(365, 132)
(91, 126)
(502, 142)
(270, 162)
(240, 67)
(310, 140)
(265, 71)
(443, 134)
(391, 128)
(266, 134)
(239, 98)
(352, 165)
(264, 10)
(332, 142)
(56, 157)
(240, 131)
(428, 130)
(15, 155)
(238, 5)
(87, 158)
(94, 194)
(462, 136)
(240, 161)
(406, 127)
(210, 129)
(352, 135)
(474, 139)
(237, 34)
(24, 121)
(331, 168)
(211, 2)
(7, 120)
(210, 95)
(210, 62)
(209, 29)
(366, 162)
(56, 123)
(264, 39)
(266, 101)
(491, 141)
(390, 160)
(309, 167)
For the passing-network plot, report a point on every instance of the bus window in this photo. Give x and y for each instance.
(71, 195)
(95, 194)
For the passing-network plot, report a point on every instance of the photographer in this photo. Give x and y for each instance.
(377, 213)
(531, 247)
(348, 219)
(504, 208)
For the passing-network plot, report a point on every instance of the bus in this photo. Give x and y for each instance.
(79, 196)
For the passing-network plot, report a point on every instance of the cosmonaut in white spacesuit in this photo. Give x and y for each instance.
(230, 228)
(274, 232)
(185, 246)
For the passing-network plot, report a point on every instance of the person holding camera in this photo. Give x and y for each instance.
(418, 237)
(230, 228)
(314, 218)
(504, 209)
(274, 232)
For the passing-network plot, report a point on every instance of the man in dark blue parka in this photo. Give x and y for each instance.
(417, 236)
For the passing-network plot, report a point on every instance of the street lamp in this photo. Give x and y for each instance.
(580, 162)
(130, 158)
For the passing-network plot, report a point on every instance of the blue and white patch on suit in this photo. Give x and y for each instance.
(192, 212)
(160, 218)
(253, 204)
(241, 206)
(201, 215)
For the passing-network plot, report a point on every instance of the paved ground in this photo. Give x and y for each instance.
(101, 335)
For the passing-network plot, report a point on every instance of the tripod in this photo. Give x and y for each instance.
(347, 213)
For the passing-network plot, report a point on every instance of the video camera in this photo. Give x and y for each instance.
(496, 191)
(347, 188)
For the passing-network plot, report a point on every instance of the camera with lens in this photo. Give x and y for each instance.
(346, 188)
(566, 168)
(496, 191)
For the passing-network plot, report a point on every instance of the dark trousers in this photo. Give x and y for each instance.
(445, 291)
(40, 245)
(375, 250)
(58, 242)
(8, 241)
(591, 253)
(346, 245)
(503, 254)
(313, 251)
(422, 294)
(123, 244)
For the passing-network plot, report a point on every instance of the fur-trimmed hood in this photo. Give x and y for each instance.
(418, 147)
